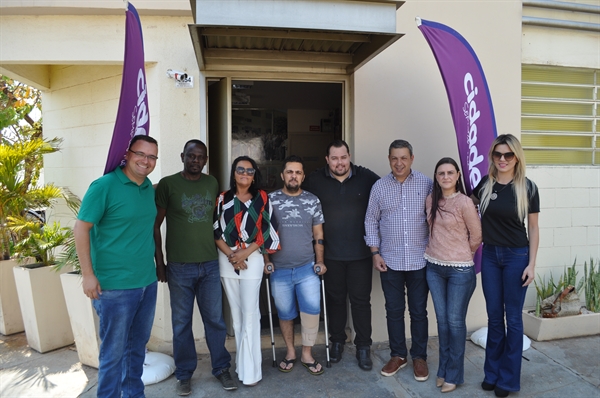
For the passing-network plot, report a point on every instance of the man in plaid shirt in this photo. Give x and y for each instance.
(397, 233)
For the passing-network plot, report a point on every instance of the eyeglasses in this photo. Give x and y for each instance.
(241, 170)
(508, 156)
(143, 155)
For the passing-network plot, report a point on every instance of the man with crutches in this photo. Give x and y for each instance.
(294, 278)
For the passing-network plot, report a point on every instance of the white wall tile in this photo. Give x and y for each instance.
(574, 236)
(572, 197)
(552, 256)
(586, 177)
(586, 216)
(593, 235)
(550, 176)
(546, 237)
(555, 218)
(547, 197)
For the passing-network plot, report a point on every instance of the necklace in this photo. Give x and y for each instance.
(494, 195)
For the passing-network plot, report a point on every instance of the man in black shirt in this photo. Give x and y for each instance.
(343, 189)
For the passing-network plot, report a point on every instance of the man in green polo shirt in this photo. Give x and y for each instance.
(187, 200)
(115, 245)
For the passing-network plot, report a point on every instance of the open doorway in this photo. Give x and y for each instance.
(270, 120)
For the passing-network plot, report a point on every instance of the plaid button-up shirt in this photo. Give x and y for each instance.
(396, 221)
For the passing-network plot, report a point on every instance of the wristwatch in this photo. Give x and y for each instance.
(375, 253)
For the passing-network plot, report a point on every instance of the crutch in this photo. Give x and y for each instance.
(270, 268)
(317, 270)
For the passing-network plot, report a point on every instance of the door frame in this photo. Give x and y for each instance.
(347, 82)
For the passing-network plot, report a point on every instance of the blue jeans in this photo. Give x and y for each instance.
(451, 289)
(202, 282)
(296, 285)
(501, 271)
(393, 283)
(126, 318)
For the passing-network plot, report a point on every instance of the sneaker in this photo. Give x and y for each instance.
(393, 366)
(420, 369)
(228, 383)
(183, 387)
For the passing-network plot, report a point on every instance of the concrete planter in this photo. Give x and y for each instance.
(542, 329)
(43, 307)
(11, 320)
(84, 320)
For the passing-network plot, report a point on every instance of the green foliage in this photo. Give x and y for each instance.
(544, 290)
(19, 188)
(68, 257)
(40, 241)
(19, 106)
(591, 283)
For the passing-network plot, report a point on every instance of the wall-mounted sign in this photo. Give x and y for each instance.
(185, 83)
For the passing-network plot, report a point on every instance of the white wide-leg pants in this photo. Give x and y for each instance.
(242, 293)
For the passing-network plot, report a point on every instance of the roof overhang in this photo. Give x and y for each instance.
(324, 37)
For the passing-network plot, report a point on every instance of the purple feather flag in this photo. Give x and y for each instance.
(133, 117)
(469, 98)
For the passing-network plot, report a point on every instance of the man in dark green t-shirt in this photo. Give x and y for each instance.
(187, 200)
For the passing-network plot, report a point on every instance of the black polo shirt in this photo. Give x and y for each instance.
(344, 207)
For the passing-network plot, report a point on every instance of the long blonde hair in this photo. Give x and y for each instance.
(519, 182)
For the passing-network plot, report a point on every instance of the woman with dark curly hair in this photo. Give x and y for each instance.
(244, 230)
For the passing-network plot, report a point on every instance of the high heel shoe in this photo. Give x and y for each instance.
(448, 387)
(439, 382)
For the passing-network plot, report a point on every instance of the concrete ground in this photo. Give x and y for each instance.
(560, 368)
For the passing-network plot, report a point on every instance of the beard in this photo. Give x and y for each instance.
(339, 173)
(292, 188)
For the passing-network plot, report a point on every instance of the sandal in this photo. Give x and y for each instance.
(313, 365)
(287, 362)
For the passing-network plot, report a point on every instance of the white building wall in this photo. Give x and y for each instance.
(569, 219)
(400, 94)
(569, 195)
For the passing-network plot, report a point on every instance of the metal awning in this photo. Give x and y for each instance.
(217, 47)
(356, 32)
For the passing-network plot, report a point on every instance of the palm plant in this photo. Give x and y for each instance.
(40, 241)
(68, 256)
(20, 166)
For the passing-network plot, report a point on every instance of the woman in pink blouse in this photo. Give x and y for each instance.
(454, 235)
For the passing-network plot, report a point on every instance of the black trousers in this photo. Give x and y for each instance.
(351, 279)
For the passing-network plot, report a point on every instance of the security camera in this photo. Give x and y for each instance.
(177, 75)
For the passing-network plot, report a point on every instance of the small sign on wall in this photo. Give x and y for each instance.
(314, 128)
(185, 83)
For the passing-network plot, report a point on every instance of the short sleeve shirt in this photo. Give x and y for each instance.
(500, 223)
(296, 216)
(122, 238)
(190, 206)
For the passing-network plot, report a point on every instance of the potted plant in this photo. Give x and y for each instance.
(20, 195)
(38, 285)
(84, 320)
(559, 313)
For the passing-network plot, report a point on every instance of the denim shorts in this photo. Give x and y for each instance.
(291, 285)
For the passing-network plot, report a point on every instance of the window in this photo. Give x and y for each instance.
(559, 115)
